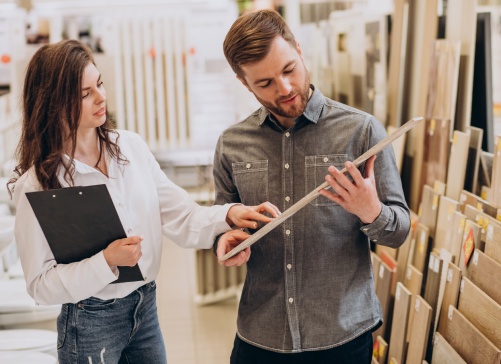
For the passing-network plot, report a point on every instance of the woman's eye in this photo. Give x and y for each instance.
(84, 96)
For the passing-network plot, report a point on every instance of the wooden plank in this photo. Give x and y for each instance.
(413, 282)
(444, 353)
(421, 248)
(399, 325)
(392, 264)
(461, 26)
(398, 148)
(376, 262)
(481, 310)
(422, 31)
(458, 159)
(451, 293)
(496, 174)
(458, 223)
(420, 329)
(467, 340)
(429, 209)
(381, 249)
(493, 240)
(433, 281)
(383, 291)
(398, 52)
(473, 164)
(467, 198)
(443, 230)
(485, 273)
(404, 251)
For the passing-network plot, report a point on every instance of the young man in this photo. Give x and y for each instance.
(309, 295)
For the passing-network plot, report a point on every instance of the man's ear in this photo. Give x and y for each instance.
(299, 51)
(241, 79)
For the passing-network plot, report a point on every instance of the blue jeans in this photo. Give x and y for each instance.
(123, 330)
(356, 351)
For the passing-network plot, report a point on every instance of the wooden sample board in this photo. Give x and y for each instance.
(461, 26)
(467, 340)
(457, 164)
(413, 282)
(429, 209)
(481, 310)
(443, 230)
(420, 329)
(493, 240)
(471, 241)
(398, 46)
(404, 251)
(386, 276)
(376, 263)
(496, 174)
(485, 273)
(399, 325)
(468, 198)
(433, 281)
(379, 350)
(451, 293)
(444, 353)
(473, 164)
(456, 240)
(421, 247)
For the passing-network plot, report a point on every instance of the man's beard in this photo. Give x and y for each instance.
(294, 110)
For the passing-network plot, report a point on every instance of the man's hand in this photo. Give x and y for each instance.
(228, 241)
(247, 216)
(358, 197)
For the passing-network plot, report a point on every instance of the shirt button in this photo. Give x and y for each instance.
(121, 204)
(129, 231)
(247, 165)
(288, 232)
(287, 199)
(286, 165)
(287, 134)
(291, 300)
(365, 229)
(326, 159)
(374, 240)
(289, 266)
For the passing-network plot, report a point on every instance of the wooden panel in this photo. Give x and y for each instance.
(444, 353)
(433, 281)
(458, 223)
(473, 164)
(383, 291)
(404, 251)
(398, 342)
(376, 262)
(485, 273)
(429, 209)
(451, 293)
(421, 247)
(467, 340)
(422, 31)
(387, 250)
(485, 171)
(481, 310)
(496, 174)
(493, 240)
(467, 198)
(457, 164)
(413, 282)
(420, 329)
(461, 26)
(471, 241)
(443, 230)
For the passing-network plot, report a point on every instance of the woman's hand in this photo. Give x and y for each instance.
(123, 252)
(247, 216)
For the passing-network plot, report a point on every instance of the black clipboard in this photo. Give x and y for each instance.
(79, 222)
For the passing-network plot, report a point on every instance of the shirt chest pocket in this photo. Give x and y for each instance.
(316, 170)
(251, 180)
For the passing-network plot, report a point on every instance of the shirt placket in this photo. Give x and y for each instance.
(290, 271)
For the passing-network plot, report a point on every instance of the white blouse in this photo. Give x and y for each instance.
(147, 202)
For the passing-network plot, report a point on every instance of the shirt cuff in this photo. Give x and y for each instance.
(373, 229)
(102, 271)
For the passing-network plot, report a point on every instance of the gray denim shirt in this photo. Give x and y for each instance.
(309, 283)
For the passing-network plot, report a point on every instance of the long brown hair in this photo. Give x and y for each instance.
(52, 104)
(249, 38)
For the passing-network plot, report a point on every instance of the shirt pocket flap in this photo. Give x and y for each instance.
(254, 166)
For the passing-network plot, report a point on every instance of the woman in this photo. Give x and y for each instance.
(68, 140)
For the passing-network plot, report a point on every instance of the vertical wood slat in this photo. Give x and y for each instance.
(149, 54)
(443, 230)
(179, 53)
(420, 329)
(413, 282)
(473, 165)
(451, 294)
(169, 80)
(159, 83)
(399, 326)
(129, 86)
(139, 89)
(458, 158)
(119, 74)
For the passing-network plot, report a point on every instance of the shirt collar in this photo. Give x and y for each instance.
(311, 113)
